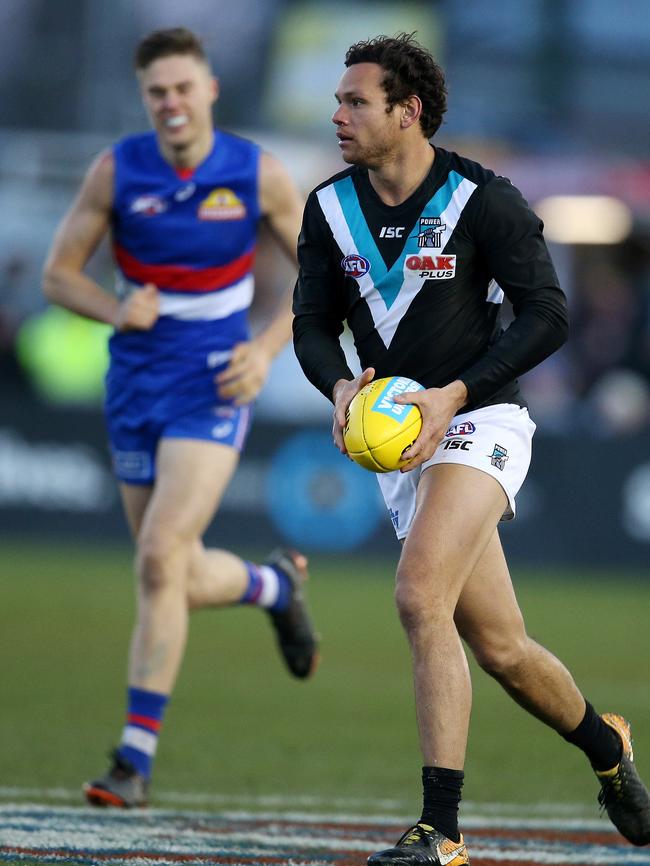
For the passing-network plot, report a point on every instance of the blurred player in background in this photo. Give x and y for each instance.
(415, 247)
(183, 204)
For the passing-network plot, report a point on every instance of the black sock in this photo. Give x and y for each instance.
(600, 743)
(441, 799)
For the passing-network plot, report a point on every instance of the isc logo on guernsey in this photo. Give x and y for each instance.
(433, 267)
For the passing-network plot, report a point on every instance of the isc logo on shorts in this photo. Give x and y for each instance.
(457, 444)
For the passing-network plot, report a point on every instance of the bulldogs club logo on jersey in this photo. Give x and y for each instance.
(222, 204)
(430, 234)
(355, 266)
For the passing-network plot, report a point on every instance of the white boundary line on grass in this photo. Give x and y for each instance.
(475, 815)
(101, 834)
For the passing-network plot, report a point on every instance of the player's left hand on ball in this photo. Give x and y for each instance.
(438, 407)
(243, 378)
(344, 393)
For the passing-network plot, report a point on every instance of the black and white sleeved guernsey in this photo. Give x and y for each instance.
(421, 284)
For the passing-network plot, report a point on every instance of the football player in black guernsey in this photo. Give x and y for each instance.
(415, 247)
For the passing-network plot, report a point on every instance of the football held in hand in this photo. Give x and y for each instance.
(378, 430)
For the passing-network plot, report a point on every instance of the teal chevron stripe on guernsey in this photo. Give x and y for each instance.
(363, 239)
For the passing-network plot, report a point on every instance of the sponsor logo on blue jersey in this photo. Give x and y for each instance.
(384, 402)
(185, 192)
(222, 204)
(355, 266)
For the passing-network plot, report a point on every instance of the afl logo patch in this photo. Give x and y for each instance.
(148, 205)
(355, 266)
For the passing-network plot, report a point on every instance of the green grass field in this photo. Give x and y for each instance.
(239, 727)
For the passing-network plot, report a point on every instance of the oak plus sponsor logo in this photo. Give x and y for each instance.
(148, 205)
(355, 265)
(433, 267)
(222, 204)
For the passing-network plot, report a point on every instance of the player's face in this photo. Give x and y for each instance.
(178, 92)
(366, 129)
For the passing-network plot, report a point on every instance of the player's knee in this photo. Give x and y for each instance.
(158, 562)
(418, 605)
(501, 656)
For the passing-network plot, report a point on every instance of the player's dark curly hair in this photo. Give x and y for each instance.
(165, 43)
(409, 69)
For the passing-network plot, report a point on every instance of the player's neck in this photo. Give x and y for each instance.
(192, 154)
(398, 179)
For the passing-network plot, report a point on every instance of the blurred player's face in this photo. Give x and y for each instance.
(178, 93)
(367, 131)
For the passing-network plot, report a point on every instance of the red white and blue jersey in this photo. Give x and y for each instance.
(192, 234)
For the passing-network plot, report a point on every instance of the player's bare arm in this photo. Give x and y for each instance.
(344, 392)
(281, 204)
(78, 236)
(438, 407)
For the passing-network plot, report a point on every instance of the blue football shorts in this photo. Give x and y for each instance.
(133, 446)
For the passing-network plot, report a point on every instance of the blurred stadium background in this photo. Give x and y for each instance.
(548, 92)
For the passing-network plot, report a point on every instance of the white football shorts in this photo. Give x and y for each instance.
(496, 439)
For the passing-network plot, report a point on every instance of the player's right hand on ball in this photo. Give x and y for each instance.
(343, 394)
(140, 311)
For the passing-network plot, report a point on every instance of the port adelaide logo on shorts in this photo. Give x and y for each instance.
(498, 457)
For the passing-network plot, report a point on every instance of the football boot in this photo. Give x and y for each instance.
(422, 845)
(295, 634)
(622, 793)
(122, 787)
